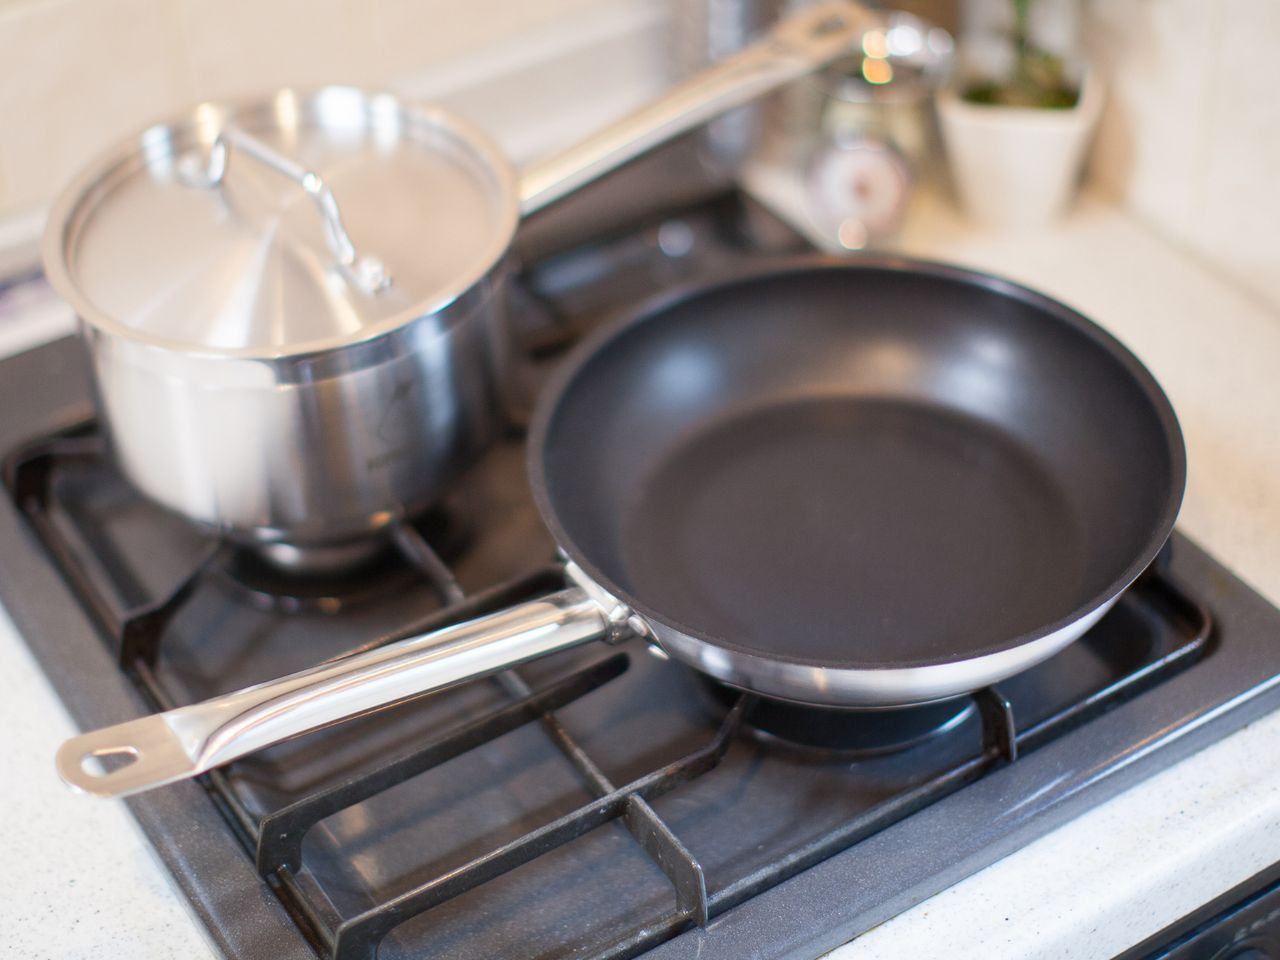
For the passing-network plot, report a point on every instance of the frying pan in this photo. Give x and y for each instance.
(864, 484)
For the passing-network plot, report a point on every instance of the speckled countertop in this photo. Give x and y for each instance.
(82, 883)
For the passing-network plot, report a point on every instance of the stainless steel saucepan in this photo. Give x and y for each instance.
(295, 309)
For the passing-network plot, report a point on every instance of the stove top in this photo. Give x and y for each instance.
(603, 802)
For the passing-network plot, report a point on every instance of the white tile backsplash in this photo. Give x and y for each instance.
(1236, 200)
(406, 34)
(78, 75)
(1156, 56)
(1191, 136)
(75, 75)
(236, 48)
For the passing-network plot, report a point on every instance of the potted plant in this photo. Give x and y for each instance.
(1016, 126)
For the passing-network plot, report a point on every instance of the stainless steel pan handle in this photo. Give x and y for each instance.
(178, 744)
(798, 45)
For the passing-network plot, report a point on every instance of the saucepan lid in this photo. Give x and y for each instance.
(285, 226)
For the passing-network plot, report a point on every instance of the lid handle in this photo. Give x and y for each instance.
(367, 273)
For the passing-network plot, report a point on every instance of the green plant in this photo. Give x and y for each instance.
(1038, 78)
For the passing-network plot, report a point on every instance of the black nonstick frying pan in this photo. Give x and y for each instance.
(865, 484)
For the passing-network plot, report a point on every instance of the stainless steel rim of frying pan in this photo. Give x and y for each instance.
(882, 684)
(619, 363)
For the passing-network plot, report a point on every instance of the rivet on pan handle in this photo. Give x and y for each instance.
(367, 273)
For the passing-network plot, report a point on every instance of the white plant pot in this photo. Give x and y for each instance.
(1017, 166)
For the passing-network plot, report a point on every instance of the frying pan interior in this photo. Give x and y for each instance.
(859, 466)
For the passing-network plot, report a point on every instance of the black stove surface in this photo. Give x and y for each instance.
(602, 802)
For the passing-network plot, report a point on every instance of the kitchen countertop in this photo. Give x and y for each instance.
(83, 883)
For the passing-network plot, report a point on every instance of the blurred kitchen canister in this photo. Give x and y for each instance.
(872, 134)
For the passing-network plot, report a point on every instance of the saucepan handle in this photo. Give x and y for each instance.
(798, 45)
(181, 743)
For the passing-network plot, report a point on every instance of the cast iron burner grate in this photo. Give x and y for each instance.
(595, 804)
(275, 838)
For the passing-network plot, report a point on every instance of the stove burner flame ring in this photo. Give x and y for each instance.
(846, 733)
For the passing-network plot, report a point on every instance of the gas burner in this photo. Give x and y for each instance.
(846, 733)
(288, 579)
(270, 587)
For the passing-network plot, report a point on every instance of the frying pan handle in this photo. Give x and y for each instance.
(187, 741)
(795, 47)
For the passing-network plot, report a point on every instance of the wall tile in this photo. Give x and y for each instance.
(1190, 138)
(539, 73)
(93, 70)
(79, 74)
(1158, 57)
(1236, 199)
(408, 34)
(237, 48)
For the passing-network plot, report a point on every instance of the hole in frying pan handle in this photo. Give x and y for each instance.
(107, 760)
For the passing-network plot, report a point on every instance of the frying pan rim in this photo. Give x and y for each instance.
(580, 356)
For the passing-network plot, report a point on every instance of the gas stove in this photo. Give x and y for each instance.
(603, 802)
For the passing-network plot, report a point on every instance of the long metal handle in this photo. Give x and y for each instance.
(798, 45)
(368, 273)
(165, 747)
